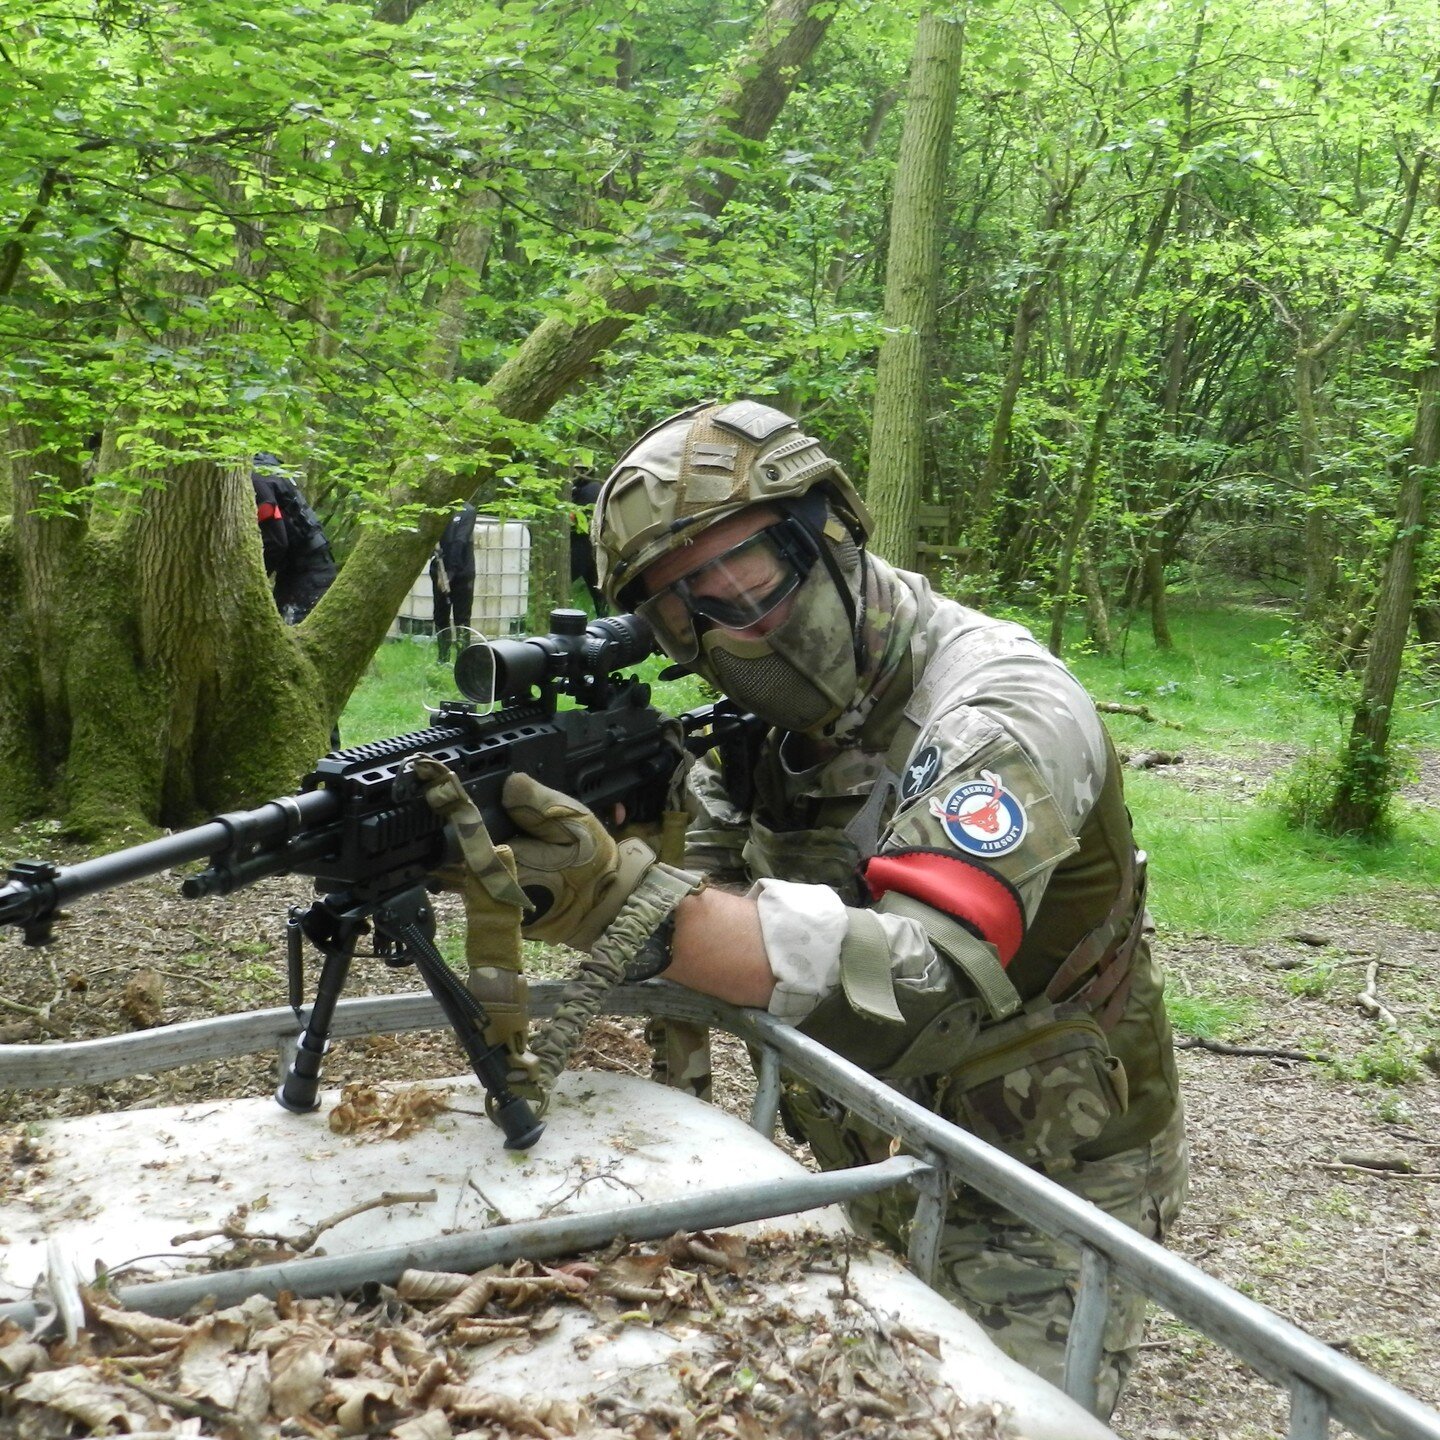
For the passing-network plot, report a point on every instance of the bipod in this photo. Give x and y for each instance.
(334, 924)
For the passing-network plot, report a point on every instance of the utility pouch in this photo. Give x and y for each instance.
(1038, 1086)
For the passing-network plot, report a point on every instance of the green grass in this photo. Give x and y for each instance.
(1234, 869)
(1224, 683)
(1220, 865)
(1209, 1017)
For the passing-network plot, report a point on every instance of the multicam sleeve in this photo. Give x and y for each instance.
(1001, 778)
(715, 838)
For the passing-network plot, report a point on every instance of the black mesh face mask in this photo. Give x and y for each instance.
(735, 590)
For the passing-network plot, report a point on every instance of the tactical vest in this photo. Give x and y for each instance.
(1077, 1060)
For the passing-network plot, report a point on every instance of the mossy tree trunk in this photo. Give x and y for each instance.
(148, 671)
(897, 447)
(146, 676)
(1366, 781)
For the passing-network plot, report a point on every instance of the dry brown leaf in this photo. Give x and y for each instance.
(403, 1360)
(432, 1425)
(469, 1301)
(297, 1373)
(152, 1329)
(482, 1332)
(543, 1420)
(19, 1358)
(435, 1374)
(78, 1392)
(351, 1354)
(388, 1114)
(366, 1404)
(430, 1284)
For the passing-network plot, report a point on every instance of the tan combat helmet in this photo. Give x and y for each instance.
(696, 468)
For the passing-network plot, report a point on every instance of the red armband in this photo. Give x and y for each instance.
(268, 511)
(985, 903)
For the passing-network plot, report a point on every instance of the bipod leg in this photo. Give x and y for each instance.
(467, 1017)
(334, 933)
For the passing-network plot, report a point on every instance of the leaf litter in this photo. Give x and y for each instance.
(408, 1360)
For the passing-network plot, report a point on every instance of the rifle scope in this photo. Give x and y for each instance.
(575, 659)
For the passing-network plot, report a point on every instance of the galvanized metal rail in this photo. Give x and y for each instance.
(1323, 1385)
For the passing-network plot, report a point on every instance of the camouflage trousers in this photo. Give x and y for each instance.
(1017, 1282)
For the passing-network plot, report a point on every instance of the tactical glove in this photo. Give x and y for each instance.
(586, 890)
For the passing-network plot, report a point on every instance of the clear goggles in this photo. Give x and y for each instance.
(734, 590)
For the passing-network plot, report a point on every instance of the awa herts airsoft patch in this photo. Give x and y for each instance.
(981, 817)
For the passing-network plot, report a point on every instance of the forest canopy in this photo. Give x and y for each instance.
(1178, 302)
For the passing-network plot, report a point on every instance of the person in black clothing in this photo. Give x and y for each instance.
(583, 493)
(297, 554)
(452, 576)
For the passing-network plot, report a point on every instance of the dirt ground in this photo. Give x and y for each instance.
(1316, 1183)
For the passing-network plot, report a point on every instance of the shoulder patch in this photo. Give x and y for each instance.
(981, 817)
(921, 773)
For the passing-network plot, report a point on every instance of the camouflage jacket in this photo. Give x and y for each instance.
(920, 891)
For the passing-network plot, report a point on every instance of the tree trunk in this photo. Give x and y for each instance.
(1366, 781)
(977, 564)
(1319, 546)
(1171, 469)
(1083, 499)
(147, 673)
(897, 446)
(845, 226)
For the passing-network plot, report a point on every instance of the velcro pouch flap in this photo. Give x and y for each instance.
(1038, 1086)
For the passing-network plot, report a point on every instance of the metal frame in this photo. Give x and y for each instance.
(1323, 1385)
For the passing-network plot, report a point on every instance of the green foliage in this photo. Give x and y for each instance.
(1209, 1017)
(1311, 982)
(1225, 860)
(1392, 1062)
(238, 222)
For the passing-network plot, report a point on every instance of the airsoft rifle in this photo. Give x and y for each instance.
(363, 829)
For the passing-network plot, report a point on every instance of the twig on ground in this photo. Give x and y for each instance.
(606, 1173)
(1379, 1174)
(194, 1406)
(503, 1218)
(40, 1014)
(1399, 1163)
(234, 1226)
(1259, 1052)
(390, 1197)
(1141, 712)
(1369, 1002)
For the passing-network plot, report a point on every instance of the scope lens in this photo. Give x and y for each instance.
(475, 674)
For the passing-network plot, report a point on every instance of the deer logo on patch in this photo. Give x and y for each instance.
(981, 817)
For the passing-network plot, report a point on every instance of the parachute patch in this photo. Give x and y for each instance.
(981, 817)
(920, 773)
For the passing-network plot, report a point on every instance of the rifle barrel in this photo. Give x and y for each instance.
(42, 890)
